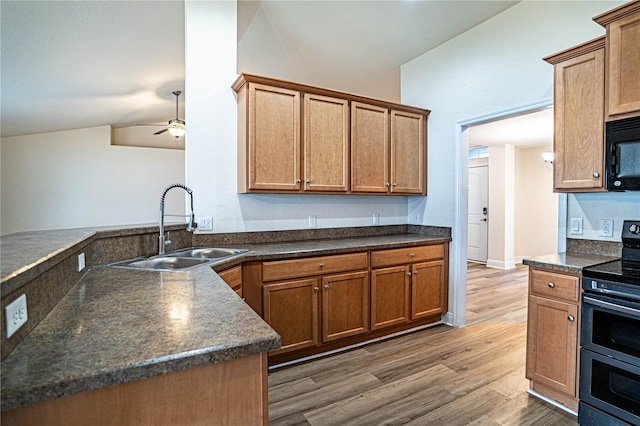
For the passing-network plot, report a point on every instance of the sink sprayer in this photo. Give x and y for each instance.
(162, 243)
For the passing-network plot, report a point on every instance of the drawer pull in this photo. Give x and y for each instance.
(412, 255)
(321, 265)
(551, 285)
(571, 318)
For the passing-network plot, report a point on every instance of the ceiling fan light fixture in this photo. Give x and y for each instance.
(176, 128)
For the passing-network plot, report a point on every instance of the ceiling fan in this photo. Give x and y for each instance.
(175, 126)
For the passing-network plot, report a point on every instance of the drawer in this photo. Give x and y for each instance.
(284, 269)
(553, 284)
(381, 258)
(233, 277)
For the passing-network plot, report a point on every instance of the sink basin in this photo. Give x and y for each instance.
(206, 253)
(161, 263)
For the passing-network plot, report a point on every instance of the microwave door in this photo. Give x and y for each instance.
(628, 160)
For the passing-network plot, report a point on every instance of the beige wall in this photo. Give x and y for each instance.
(536, 205)
(75, 178)
(501, 206)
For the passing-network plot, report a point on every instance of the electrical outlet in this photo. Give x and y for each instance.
(205, 223)
(15, 314)
(376, 218)
(576, 226)
(81, 262)
(313, 221)
(606, 227)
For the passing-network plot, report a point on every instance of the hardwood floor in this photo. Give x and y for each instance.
(441, 375)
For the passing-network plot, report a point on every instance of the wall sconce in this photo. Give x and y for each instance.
(548, 159)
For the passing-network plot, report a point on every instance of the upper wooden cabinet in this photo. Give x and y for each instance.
(623, 60)
(579, 118)
(298, 138)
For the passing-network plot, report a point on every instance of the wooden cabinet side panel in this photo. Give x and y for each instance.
(273, 138)
(428, 289)
(623, 67)
(408, 147)
(291, 309)
(390, 296)
(231, 392)
(369, 148)
(232, 276)
(579, 124)
(345, 305)
(326, 143)
(552, 346)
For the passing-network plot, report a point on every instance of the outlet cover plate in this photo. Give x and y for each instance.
(205, 223)
(606, 227)
(15, 314)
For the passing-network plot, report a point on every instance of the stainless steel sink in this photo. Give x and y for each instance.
(179, 260)
(163, 263)
(206, 253)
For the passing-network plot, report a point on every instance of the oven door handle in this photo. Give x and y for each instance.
(612, 306)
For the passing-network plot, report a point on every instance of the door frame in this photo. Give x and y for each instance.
(458, 292)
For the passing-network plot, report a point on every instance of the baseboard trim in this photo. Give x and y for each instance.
(552, 402)
(498, 264)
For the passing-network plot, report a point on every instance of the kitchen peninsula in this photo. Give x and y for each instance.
(119, 336)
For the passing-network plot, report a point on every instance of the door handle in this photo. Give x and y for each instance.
(483, 220)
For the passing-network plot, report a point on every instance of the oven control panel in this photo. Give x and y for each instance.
(628, 291)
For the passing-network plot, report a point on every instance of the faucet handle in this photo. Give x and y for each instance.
(167, 240)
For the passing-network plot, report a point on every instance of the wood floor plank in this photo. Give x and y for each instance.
(442, 375)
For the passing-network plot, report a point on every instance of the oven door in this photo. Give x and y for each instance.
(611, 327)
(610, 386)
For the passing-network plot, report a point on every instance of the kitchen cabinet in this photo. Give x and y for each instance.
(326, 144)
(294, 138)
(233, 278)
(622, 60)
(579, 118)
(388, 150)
(317, 299)
(552, 335)
(408, 284)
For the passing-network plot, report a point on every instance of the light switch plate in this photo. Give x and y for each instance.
(576, 226)
(313, 221)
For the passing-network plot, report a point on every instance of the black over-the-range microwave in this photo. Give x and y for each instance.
(623, 155)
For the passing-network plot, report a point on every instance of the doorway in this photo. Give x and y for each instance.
(478, 211)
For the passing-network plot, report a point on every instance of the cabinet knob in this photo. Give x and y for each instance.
(394, 184)
(409, 273)
(326, 286)
(412, 255)
(321, 265)
(551, 285)
(596, 174)
(298, 181)
(316, 289)
(386, 184)
(308, 181)
(415, 272)
(571, 318)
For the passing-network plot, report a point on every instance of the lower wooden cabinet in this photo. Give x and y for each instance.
(326, 302)
(552, 335)
(233, 277)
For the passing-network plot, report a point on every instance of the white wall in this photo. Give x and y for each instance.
(75, 178)
(500, 248)
(536, 212)
(593, 207)
(492, 68)
(211, 141)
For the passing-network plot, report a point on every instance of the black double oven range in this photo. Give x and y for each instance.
(610, 337)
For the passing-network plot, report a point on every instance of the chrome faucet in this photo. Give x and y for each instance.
(162, 242)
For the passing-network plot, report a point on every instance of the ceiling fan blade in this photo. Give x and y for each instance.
(160, 131)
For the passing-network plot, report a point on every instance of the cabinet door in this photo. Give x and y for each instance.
(291, 309)
(428, 292)
(408, 153)
(274, 138)
(579, 123)
(369, 148)
(345, 305)
(390, 296)
(623, 43)
(552, 346)
(326, 143)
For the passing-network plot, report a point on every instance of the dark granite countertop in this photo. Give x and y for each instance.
(119, 325)
(568, 262)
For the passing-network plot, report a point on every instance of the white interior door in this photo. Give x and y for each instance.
(478, 214)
